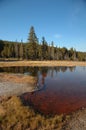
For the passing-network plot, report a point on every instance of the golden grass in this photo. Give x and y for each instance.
(17, 78)
(18, 117)
(42, 63)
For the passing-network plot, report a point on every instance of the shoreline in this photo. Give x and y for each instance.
(41, 63)
(14, 84)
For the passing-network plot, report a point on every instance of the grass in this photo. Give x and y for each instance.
(18, 117)
(41, 63)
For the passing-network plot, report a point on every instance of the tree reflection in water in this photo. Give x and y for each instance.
(58, 89)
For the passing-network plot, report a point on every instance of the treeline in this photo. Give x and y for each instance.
(33, 50)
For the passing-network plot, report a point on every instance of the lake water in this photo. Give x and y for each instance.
(59, 89)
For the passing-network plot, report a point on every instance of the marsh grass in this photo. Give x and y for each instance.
(18, 117)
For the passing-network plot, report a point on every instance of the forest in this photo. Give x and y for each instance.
(33, 50)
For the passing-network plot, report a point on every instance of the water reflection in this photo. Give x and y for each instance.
(23, 70)
(58, 90)
(34, 70)
(61, 90)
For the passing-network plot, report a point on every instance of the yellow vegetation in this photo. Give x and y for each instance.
(15, 116)
(42, 63)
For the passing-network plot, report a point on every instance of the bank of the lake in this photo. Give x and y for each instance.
(14, 115)
(41, 63)
(16, 84)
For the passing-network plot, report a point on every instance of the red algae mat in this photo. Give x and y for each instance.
(60, 91)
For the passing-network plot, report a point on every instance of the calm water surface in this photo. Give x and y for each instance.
(59, 89)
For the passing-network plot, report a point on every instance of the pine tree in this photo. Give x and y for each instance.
(40, 52)
(56, 53)
(32, 36)
(49, 52)
(21, 51)
(16, 50)
(32, 44)
(44, 49)
(52, 50)
(1, 47)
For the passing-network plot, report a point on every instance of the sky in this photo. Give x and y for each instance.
(61, 21)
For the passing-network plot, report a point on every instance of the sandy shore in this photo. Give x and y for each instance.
(42, 63)
(16, 84)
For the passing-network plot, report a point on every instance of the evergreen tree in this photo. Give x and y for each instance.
(64, 53)
(52, 50)
(44, 49)
(16, 50)
(21, 51)
(32, 36)
(4, 53)
(25, 51)
(49, 52)
(40, 52)
(74, 55)
(9, 50)
(32, 44)
(1, 47)
(56, 53)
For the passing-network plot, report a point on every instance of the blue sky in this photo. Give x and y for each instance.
(61, 21)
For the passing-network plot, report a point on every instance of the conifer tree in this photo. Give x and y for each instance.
(16, 50)
(32, 44)
(32, 36)
(52, 50)
(44, 49)
(21, 51)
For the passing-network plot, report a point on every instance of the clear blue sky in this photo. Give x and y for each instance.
(61, 21)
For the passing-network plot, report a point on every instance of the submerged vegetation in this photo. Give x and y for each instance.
(15, 116)
(33, 50)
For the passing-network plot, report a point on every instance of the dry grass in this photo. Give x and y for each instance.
(15, 116)
(42, 63)
(17, 78)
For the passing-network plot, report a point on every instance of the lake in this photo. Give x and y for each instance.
(59, 90)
